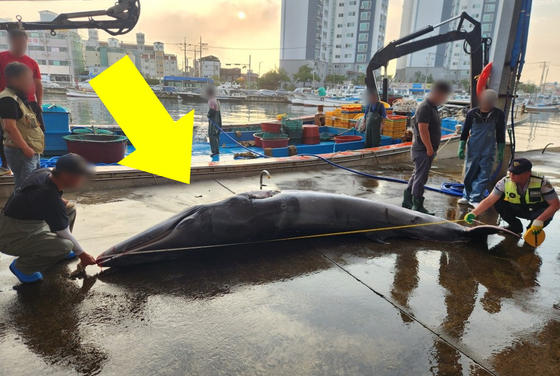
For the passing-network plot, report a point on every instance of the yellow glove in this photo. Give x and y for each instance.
(469, 218)
(537, 226)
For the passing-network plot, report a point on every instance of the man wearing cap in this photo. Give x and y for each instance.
(36, 222)
(521, 194)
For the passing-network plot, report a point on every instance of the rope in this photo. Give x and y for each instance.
(353, 232)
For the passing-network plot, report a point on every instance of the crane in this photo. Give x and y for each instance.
(409, 44)
(122, 17)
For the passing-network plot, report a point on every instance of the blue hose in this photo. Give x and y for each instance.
(446, 188)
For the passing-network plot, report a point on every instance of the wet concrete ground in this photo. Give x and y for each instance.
(330, 306)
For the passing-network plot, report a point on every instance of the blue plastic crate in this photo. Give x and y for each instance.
(55, 144)
(448, 125)
(57, 118)
(386, 140)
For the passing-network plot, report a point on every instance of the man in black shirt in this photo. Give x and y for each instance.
(35, 224)
(484, 128)
(427, 137)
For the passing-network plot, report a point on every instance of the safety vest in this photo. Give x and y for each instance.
(28, 125)
(533, 195)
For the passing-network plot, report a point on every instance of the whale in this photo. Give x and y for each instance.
(262, 216)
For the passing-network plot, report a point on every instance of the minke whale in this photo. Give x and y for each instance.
(271, 215)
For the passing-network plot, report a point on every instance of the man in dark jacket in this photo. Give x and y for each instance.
(214, 118)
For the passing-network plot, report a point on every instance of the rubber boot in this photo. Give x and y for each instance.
(418, 205)
(407, 199)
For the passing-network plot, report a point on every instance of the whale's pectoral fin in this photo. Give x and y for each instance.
(374, 237)
(481, 232)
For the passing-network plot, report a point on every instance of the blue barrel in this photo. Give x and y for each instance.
(57, 125)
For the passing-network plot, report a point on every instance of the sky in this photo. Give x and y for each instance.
(235, 29)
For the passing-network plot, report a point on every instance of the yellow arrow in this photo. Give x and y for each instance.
(163, 146)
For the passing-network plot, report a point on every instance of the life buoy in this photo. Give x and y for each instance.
(483, 78)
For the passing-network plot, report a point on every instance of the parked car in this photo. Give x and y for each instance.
(266, 93)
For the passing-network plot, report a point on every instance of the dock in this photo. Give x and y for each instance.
(344, 303)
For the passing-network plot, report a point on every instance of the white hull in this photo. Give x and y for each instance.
(328, 102)
(81, 94)
(541, 108)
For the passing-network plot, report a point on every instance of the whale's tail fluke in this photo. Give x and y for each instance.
(481, 232)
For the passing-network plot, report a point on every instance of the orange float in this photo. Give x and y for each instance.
(483, 78)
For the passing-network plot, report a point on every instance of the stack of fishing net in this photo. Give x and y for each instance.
(294, 129)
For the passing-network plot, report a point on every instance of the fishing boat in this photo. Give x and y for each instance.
(74, 93)
(541, 108)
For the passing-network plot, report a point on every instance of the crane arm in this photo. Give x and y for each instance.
(121, 19)
(408, 45)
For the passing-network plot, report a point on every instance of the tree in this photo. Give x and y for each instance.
(429, 79)
(217, 80)
(359, 79)
(303, 75)
(465, 84)
(335, 79)
(283, 77)
(274, 79)
(418, 76)
(526, 87)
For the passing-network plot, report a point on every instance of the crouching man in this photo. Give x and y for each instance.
(36, 222)
(522, 194)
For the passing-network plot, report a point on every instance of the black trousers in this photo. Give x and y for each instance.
(512, 212)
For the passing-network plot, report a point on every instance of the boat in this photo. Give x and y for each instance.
(53, 88)
(541, 108)
(74, 93)
(191, 96)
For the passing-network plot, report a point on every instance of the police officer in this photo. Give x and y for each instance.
(522, 194)
(36, 222)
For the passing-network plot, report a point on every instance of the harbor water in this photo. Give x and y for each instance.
(91, 111)
(538, 131)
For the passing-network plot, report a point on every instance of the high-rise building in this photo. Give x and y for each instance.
(331, 36)
(448, 61)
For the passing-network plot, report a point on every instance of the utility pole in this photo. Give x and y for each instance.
(428, 59)
(200, 46)
(544, 66)
(249, 74)
(185, 59)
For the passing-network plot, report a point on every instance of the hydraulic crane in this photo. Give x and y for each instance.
(478, 50)
(122, 17)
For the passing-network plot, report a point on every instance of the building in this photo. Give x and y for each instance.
(60, 57)
(209, 66)
(332, 36)
(447, 61)
(230, 74)
(151, 60)
(187, 84)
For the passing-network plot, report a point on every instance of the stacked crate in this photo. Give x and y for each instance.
(329, 118)
(348, 113)
(395, 126)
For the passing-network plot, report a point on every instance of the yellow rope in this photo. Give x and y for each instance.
(291, 238)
